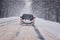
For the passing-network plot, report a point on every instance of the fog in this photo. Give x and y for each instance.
(11, 7)
(46, 9)
(27, 9)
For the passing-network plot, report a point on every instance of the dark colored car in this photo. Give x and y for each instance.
(27, 19)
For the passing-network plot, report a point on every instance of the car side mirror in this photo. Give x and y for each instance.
(33, 17)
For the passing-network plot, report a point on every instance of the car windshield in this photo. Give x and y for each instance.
(27, 16)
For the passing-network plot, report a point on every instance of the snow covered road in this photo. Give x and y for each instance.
(43, 30)
(15, 31)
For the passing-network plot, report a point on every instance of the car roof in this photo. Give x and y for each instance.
(28, 14)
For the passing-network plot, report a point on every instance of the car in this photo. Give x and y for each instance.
(27, 19)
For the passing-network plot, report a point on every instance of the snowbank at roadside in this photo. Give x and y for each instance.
(2, 20)
(52, 27)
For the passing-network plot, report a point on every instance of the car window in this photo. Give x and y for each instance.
(27, 16)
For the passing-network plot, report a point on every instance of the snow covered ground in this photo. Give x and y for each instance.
(49, 29)
(2, 20)
(52, 27)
